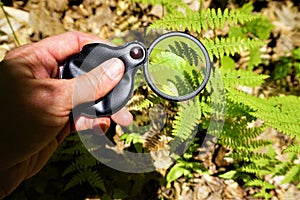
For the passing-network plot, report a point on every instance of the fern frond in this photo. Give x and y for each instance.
(145, 104)
(87, 175)
(255, 169)
(237, 135)
(229, 46)
(264, 187)
(263, 194)
(260, 183)
(72, 146)
(181, 49)
(294, 148)
(238, 111)
(233, 78)
(281, 113)
(185, 122)
(292, 175)
(198, 21)
(178, 69)
(138, 102)
(152, 140)
(246, 155)
(242, 142)
(281, 168)
(81, 163)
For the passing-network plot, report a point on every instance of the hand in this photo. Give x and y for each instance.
(35, 105)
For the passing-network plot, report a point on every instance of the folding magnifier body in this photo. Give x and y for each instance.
(176, 66)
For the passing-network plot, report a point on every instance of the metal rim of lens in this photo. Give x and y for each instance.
(207, 74)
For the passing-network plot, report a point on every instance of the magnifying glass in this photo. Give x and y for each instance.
(176, 67)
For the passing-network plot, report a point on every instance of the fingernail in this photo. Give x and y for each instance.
(113, 68)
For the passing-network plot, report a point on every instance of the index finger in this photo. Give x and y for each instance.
(66, 44)
(54, 50)
(44, 57)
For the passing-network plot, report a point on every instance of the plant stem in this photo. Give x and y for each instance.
(9, 23)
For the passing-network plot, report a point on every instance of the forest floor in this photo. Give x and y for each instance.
(33, 20)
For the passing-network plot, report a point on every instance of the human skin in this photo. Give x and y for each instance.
(36, 105)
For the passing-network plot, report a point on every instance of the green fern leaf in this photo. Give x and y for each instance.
(229, 46)
(233, 78)
(82, 162)
(222, 18)
(198, 21)
(260, 183)
(246, 155)
(281, 168)
(86, 176)
(185, 122)
(292, 175)
(238, 111)
(138, 102)
(281, 113)
(264, 186)
(255, 169)
(295, 148)
(263, 194)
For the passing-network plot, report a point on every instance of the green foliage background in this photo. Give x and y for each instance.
(74, 174)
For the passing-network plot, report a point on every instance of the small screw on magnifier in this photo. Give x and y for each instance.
(136, 52)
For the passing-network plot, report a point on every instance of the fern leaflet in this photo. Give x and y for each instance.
(295, 148)
(292, 175)
(82, 162)
(263, 184)
(198, 21)
(229, 46)
(185, 122)
(86, 175)
(234, 78)
(277, 112)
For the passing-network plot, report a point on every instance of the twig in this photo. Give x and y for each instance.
(9, 23)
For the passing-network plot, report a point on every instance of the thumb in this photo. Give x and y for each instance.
(98, 82)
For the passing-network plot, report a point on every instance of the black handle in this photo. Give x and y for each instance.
(132, 54)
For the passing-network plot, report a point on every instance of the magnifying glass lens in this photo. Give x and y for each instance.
(177, 67)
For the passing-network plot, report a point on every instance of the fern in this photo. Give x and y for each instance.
(139, 102)
(292, 175)
(185, 123)
(264, 185)
(86, 176)
(183, 50)
(229, 46)
(198, 21)
(294, 148)
(178, 68)
(74, 149)
(238, 136)
(170, 5)
(278, 112)
(82, 170)
(81, 163)
(289, 168)
(255, 169)
(235, 78)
